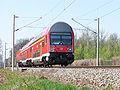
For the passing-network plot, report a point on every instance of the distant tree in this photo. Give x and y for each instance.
(85, 46)
(1, 52)
(19, 44)
(112, 44)
(0, 46)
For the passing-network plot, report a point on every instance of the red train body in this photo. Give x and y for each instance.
(53, 46)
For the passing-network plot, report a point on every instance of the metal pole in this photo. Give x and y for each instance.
(5, 57)
(13, 43)
(97, 33)
(2, 63)
(97, 56)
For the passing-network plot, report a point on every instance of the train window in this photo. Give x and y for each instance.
(36, 54)
(66, 37)
(43, 43)
(46, 39)
(62, 33)
(55, 37)
(31, 49)
(36, 46)
(67, 40)
(59, 39)
(27, 52)
(20, 54)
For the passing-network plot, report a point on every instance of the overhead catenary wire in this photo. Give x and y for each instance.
(52, 9)
(78, 29)
(35, 27)
(45, 27)
(106, 14)
(101, 6)
(27, 17)
(28, 24)
(110, 12)
(84, 26)
(62, 11)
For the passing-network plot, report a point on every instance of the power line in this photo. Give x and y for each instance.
(46, 15)
(35, 27)
(29, 24)
(62, 11)
(90, 22)
(37, 17)
(78, 29)
(97, 8)
(45, 27)
(28, 17)
(52, 9)
(106, 14)
(84, 26)
(110, 12)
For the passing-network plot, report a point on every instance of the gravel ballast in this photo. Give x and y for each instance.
(96, 78)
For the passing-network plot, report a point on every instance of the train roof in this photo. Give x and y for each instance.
(61, 27)
(46, 30)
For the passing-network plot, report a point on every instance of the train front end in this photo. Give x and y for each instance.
(61, 44)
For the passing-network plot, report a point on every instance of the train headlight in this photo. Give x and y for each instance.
(52, 49)
(69, 49)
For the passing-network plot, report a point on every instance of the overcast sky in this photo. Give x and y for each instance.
(53, 11)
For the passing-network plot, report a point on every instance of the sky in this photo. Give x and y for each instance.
(52, 11)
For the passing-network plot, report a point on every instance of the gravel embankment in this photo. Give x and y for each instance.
(97, 78)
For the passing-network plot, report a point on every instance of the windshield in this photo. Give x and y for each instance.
(61, 39)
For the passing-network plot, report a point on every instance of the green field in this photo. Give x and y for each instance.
(18, 81)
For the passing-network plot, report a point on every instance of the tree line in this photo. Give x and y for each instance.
(1, 54)
(85, 46)
(19, 44)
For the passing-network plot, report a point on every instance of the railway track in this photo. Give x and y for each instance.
(93, 67)
(96, 67)
(67, 67)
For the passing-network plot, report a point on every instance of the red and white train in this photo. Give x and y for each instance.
(53, 46)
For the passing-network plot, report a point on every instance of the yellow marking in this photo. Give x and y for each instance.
(38, 40)
(34, 43)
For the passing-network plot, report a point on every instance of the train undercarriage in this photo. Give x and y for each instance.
(59, 58)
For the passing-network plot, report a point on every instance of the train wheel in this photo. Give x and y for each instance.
(20, 64)
(45, 63)
(62, 65)
(65, 65)
(50, 66)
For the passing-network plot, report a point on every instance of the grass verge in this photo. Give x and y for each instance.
(16, 81)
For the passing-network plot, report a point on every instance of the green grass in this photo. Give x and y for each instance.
(16, 81)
